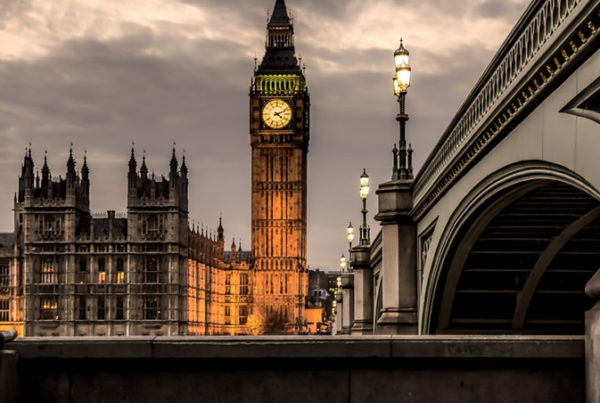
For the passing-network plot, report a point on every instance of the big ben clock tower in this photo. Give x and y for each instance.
(279, 134)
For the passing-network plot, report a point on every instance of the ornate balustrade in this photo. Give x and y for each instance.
(549, 35)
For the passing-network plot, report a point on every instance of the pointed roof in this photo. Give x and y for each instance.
(173, 162)
(71, 161)
(84, 169)
(280, 15)
(144, 168)
(45, 169)
(280, 55)
(132, 161)
(183, 168)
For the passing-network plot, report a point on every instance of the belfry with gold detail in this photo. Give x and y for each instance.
(279, 135)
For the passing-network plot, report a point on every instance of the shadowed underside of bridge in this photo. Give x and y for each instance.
(523, 269)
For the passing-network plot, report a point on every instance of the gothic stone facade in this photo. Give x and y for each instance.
(279, 135)
(64, 272)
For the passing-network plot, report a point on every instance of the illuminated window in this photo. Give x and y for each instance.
(286, 283)
(243, 317)
(101, 271)
(101, 308)
(280, 285)
(151, 270)
(4, 310)
(243, 284)
(227, 315)
(120, 271)
(82, 308)
(4, 275)
(228, 284)
(119, 312)
(49, 275)
(151, 308)
(49, 308)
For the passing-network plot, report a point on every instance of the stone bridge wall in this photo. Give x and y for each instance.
(299, 369)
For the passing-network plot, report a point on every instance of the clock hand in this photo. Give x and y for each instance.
(277, 113)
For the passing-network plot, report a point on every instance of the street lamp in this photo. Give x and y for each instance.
(401, 81)
(350, 238)
(343, 263)
(350, 234)
(364, 192)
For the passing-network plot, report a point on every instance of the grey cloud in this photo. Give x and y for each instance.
(500, 9)
(104, 94)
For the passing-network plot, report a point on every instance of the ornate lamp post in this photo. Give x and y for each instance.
(343, 263)
(364, 193)
(350, 238)
(401, 81)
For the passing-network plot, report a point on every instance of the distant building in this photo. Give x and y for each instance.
(279, 136)
(321, 295)
(66, 272)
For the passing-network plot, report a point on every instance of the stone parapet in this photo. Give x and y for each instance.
(301, 369)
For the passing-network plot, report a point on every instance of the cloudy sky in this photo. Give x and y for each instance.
(104, 73)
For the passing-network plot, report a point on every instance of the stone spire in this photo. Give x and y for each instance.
(28, 169)
(45, 175)
(183, 169)
(233, 251)
(173, 164)
(132, 162)
(144, 168)
(220, 230)
(280, 56)
(71, 174)
(280, 14)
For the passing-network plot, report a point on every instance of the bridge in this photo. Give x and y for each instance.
(475, 282)
(507, 206)
(500, 230)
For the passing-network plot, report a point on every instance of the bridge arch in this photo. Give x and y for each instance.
(507, 263)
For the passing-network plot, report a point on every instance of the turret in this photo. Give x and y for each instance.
(173, 169)
(45, 176)
(233, 252)
(144, 168)
(71, 174)
(132, 174)
(220, 231)
(184, 178)
(279, 57)
(28, 172)
(85, 179)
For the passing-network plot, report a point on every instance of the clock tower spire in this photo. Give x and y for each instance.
(279, 135)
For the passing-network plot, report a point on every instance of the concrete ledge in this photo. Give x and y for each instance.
(301, 347)
(8, 376)
(452, 369)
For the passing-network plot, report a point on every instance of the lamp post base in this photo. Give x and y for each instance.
(362, 327)
(397, 322)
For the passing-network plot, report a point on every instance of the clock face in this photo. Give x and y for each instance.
(277, 114)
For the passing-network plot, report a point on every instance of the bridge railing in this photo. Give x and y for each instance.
(300, 369)
(527, 42)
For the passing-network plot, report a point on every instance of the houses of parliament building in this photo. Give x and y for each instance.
(66, 272)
